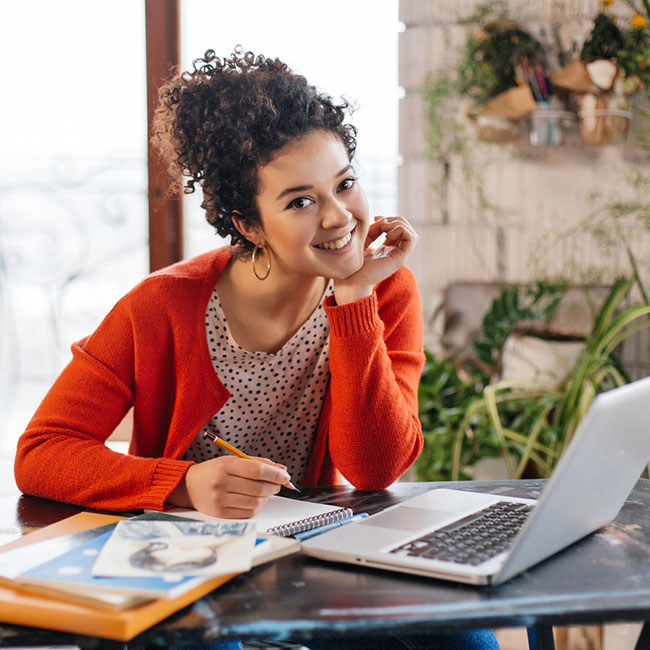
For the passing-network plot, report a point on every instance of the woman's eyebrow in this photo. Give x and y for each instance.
(291, 190)
(302, 188)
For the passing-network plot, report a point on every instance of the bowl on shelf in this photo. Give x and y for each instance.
(492, 128)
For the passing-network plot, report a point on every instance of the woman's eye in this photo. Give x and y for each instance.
(347, 184)
(300, 203)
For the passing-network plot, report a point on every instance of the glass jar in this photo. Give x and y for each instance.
(548, 126)
(601, 126)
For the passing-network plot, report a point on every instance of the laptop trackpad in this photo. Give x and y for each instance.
(406, 518)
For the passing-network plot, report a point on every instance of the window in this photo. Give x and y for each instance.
(73, 200)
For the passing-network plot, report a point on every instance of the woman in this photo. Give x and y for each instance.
(297, 343)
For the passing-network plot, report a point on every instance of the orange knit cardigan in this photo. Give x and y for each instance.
(151, 352)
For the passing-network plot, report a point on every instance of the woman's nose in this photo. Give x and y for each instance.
(336, 214)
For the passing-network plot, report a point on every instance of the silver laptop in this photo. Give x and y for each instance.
(489, 538)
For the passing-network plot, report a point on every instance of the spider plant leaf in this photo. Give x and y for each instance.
(457, 448)
(544, 467)
(569, 402)
(614, 374)
(618, 293)
(617, 333)
(493, 412)
(523, 439)
(531, 441)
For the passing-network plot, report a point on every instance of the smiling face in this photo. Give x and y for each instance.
(313, 211)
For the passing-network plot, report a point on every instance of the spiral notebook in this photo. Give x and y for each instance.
(282, 516)
(309, 523)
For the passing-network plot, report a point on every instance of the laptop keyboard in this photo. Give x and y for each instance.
(472, 539)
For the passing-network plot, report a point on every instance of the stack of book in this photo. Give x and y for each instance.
(51, 578)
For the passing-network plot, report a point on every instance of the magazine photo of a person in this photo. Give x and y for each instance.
(178, 548)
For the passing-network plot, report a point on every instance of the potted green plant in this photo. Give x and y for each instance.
(490, 58)
(450, 394)
(527, 423)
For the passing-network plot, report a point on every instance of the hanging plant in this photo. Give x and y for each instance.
(491, 57)
(605, 40)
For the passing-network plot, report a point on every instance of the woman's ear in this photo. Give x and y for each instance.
(251, 231)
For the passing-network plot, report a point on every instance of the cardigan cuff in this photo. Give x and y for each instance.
(167, 475)
(354, 317)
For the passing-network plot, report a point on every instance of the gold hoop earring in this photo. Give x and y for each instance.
(268, 263)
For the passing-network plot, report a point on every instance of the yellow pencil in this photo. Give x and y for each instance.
(237, 452)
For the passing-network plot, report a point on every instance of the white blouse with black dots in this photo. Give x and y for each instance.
(275, 398)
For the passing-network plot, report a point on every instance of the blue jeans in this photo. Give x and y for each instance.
(469, 640)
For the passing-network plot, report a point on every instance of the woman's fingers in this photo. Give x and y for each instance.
(385, 225)
(379, 262)
(401, 236)
(256, 469)
(398, 233)
(375, 230)
(268, 461)
(251, 487)
(229, 486)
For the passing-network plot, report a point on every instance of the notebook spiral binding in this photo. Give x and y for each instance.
(309, 523)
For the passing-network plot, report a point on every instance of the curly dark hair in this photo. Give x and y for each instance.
(220, 122)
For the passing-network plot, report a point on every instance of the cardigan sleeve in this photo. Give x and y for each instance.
(376, 359)
(62, 455)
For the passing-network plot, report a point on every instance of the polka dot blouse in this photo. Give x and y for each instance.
(275, 398)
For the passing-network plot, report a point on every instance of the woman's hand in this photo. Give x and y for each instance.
(228, 486)
(400, 239)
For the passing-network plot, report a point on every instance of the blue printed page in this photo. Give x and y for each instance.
(163, 579)
(75, 568)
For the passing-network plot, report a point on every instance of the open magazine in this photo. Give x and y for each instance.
(131, 561)
(149, 558)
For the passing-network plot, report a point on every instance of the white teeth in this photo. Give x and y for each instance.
(339, 243)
